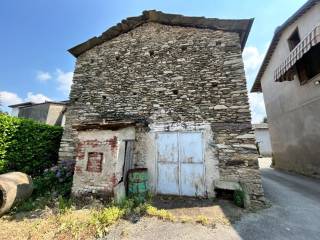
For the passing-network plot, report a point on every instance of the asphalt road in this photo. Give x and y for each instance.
(294, 215)
(295, 211)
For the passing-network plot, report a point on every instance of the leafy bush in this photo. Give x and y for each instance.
(128, 205)
(27, 146)
(238, 198)
(32, 204)
(54, 184)
(64, 204)
(56, 179)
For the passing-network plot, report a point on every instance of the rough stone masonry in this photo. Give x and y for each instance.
(161, 72)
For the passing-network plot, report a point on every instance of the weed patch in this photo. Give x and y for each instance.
(77, 223)
(161, 214)
(202, 220)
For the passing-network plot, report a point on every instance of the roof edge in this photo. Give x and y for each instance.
(241, 26)
(256, 87)
(30, 104)
(21, 104)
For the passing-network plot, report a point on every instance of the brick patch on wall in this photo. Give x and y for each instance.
(94, 162)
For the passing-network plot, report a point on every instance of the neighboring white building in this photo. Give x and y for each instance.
(262, 135)
(289, 79)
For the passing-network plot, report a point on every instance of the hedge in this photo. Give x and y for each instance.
(27, 146)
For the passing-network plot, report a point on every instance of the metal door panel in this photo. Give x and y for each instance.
(168, 178)
(168, 164)
(190, 147)
(168, 147)
(191, 164)
(192, 181)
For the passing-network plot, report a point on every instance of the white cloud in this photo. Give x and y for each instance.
(43, 76)
(64, 80)
(36, 98)
(252, 59)
(9, 98)
(258, 111)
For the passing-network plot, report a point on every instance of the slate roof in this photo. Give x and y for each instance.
(241, 26)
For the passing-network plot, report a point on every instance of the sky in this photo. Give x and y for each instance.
(36, 34)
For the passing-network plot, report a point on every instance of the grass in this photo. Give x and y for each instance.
(75, 224)
(64, 221)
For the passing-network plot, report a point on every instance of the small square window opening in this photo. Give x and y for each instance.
(94, 163)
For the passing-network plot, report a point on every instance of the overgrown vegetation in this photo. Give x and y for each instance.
(238, 198)
(32, 147)
(50, 188)
(65, 220)
(105, 218)
(98, 221)
(27, 146)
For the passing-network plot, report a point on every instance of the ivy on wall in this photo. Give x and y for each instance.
(27, 146)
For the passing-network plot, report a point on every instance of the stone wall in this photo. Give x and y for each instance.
(157, 73)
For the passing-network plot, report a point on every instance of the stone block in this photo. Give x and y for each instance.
(227, 185)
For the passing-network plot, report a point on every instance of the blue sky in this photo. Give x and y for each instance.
(35, 37)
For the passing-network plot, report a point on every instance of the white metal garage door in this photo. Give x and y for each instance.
(180, 164)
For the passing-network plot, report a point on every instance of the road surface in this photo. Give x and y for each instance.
(295, 211)
(294, 215)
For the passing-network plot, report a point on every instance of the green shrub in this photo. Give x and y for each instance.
(53, 185)
(64, 204)
(44, 182)
(127, 205)
(27, 146)
(56, 179)
(33, 203)
(238, 198)
(109, 215)
(105, 218)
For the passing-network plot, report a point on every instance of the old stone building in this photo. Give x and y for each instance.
(167, 93)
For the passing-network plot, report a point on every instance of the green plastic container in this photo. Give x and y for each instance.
(138, 184)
